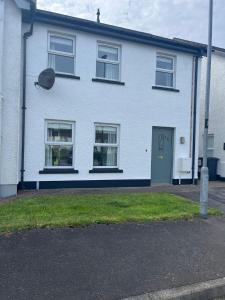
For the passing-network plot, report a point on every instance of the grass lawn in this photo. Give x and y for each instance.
(76, 210)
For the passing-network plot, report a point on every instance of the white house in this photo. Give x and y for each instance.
(123, 110)
(10, 92)
(216, 138)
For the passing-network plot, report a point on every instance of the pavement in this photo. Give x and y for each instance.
(117, 261)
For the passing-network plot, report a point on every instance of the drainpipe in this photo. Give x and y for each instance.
(194, 116)
(26, 35)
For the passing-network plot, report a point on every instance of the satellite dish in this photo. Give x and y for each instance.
(46, 79)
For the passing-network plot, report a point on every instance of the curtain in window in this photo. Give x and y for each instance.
(51, 61)
(106, 134)
(48, 156)
(112, 71)
(111, 158)
(107, 70)
(105, 156)
(164, 79)
(164, 63)
(59, 132)
(57, 155)
(109, 53)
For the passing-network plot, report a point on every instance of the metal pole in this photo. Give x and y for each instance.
(204, 170)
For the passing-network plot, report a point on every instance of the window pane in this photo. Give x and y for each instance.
(105, 156)
(59, 132)
(164, 79)
(164, 63)
(210, 141)
(62, 64)
(106, 52)
(56, 155)
(106, 134)
(210, 150)
(61, 44)
(108, 71)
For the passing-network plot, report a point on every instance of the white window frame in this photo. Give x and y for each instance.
(118, 62)
(211, 148)
(59, 143)
(62, 53)
(107, 145)
(173, 71)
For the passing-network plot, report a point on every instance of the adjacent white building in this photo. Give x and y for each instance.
(216, 138)
(123, 111)
(10, 94)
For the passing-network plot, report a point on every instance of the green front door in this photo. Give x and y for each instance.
(162, 154)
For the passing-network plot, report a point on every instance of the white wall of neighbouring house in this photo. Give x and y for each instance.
(2, 8)
(217, 108)
(136, 107)
(10, 90)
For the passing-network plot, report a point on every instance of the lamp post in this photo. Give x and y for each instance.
(204, 170)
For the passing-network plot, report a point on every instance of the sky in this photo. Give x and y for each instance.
(186, 19)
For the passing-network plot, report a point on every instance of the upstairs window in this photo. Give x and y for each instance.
(165, 71)
(106, 146)
(59, 144)
(108, 62)
(61, 54)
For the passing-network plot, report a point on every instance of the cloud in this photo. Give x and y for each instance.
(171, 18)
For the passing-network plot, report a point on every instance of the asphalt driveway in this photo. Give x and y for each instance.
(112, 261)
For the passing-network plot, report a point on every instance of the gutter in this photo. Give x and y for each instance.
(26, 35)
(74, 23)
(194, 117)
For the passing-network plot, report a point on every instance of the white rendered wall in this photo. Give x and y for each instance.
(2, 9)
(11, 81)
(217, 108)
(135, 106)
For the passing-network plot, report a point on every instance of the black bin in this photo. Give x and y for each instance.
(212, 166)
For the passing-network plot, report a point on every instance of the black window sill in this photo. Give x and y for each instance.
(67, 76)
(108, 81)
(105, 170)
(155, 87)
(58, 171)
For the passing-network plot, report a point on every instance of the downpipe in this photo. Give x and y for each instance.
(194, 117)
(26, 35)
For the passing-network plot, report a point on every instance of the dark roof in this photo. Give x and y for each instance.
(214, 48)
(115, 32)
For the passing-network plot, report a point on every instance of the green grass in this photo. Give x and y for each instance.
(78, 210)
